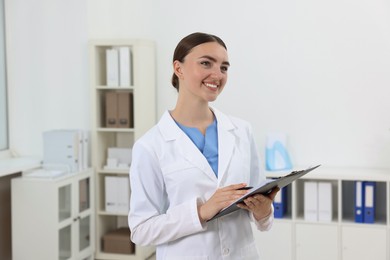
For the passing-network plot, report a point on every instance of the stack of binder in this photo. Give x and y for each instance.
(66, 147)
(365, 201)
(119, 109)
(118, 67)
(318, 201)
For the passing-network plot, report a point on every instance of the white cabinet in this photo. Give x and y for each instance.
(53, 218)
(364, 243)
(142, 111)
(341, 238)
(312, 239)
(283, 242)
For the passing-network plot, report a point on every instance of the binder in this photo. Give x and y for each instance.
(325, 201)
(123, 199)
(110, 193)
(359, 202)
(117, 194)
(280, 203)
(311, 201)
(112, 67)
(124, 66)
(125, 111)
(111, 109)
(80, 139)
(86, 149)
(369, 201)
(62, 147)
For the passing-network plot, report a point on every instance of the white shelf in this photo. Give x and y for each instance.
(340, 239)
(143, 89)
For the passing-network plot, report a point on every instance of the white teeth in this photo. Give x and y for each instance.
(211, 85)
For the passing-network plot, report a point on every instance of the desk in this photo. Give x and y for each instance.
(13, 165)
(10, 168)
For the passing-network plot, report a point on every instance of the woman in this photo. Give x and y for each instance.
(195, 162)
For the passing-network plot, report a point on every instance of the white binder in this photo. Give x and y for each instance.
(62, 147)
(124, 66)
(325, 201)
(112, 67)
(117, 194)
(311, 201)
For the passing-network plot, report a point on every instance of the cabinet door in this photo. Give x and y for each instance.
(84, 218)
(269, 243)
(64, 216)
(364, 243)
(318, 242)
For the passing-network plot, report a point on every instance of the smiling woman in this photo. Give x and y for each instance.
(3, 84)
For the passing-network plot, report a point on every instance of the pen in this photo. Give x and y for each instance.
(245, 188)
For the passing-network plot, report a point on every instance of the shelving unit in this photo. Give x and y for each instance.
(341, 238)
(53, 218)
(143, 109)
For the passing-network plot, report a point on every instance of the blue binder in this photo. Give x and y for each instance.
(359, 201)
(280, 203)
(369, 201)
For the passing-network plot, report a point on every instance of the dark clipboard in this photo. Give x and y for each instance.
(265, 188)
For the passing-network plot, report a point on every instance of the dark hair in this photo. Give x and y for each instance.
(187, 44)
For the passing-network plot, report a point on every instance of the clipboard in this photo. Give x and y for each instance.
(265, 188)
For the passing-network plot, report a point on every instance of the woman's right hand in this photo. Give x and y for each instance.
(222, 198)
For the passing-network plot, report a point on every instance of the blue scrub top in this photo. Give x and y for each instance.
(207, 144)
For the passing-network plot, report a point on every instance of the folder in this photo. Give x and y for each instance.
(111, 109)
(124, 66)
(265, 188)
(369, 201)
(325, 211)
(123, 199)
(112, 67)
(117, 194)
(110, 193)
(62, 147)
(311, 201)
(125, 111)
(86, 149)
(280, 203)
(359, 202)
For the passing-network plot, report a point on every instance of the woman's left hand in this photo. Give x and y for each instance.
(259, 205)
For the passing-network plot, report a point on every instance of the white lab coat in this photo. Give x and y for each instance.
(169, 177)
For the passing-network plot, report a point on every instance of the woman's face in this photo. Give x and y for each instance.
(203, 73)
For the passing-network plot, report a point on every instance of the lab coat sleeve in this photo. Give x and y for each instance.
(265, 223)
(150, 219)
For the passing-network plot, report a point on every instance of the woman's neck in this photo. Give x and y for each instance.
(191, 115)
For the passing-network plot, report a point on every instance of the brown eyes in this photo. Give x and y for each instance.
(208, 64)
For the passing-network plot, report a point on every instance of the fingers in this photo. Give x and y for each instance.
(234, 187)
(273, 193)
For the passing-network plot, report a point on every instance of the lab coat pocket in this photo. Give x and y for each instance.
(188, 258)
(179, 174)
(249, 252)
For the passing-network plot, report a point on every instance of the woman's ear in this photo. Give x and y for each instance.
(177, 69)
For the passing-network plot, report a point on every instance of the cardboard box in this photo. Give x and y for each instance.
(118, 242)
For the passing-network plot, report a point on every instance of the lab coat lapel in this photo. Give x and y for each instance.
(189, 151)
(226, 141)
(194, 156)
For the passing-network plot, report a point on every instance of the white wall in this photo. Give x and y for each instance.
(316, 70)
(47, 69)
